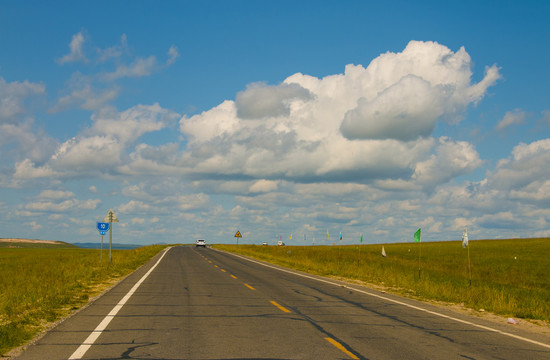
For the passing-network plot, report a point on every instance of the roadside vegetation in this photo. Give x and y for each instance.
(509, 277)
(41, 285)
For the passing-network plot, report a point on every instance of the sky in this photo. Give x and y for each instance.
(279, 119)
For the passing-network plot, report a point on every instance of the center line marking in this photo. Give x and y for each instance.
(90, 340)
(233, 276)
(248, 286)
(282, 308)
(341, 348)
(487, 328)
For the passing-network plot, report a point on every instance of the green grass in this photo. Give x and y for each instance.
(40, 285)
(509, 277)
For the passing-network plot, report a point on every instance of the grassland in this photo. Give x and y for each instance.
(41, 285)
(509, 277)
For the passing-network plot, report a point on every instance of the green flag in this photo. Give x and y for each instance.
(417, 235)
(361, 237)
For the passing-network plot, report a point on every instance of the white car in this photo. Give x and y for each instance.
(200, 242)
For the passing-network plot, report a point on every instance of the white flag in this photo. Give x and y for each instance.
(465, 238)
(383, 252)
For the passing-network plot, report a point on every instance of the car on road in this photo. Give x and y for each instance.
(264, 243)
(280, 243)
(200, 242)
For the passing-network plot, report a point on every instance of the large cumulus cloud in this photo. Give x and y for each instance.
(407, 93)
(367, 124)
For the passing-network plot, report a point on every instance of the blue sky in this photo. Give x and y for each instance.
(198, 119)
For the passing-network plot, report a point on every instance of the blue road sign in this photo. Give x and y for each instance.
(102, 226)
(102, 232)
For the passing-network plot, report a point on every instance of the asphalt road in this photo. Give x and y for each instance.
(198, 303)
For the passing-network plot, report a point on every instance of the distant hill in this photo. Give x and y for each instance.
(97, 245)
(33, 243)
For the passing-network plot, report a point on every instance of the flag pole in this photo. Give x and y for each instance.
(419, 255)
(469, 265)
(465, 243)
(417, 238)
(360, 246)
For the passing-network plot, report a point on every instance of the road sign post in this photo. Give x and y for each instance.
(102, 227)
(111, 218)
(237, 236)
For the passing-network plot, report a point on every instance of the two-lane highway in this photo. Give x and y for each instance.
(196, 303)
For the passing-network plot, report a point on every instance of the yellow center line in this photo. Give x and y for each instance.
(282, 308)
(210, 261)
(215, 266)
(222, 270)
(248, 286)
(233, 276)
(341, 348)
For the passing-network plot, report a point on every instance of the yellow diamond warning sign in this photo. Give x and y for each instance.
(238, 234)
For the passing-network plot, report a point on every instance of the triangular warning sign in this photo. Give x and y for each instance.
(238, 234)
(110, 217)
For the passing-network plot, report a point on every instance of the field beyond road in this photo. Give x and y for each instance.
(41, 285)
(509, 277)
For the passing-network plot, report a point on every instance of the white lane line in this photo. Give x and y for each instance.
(400, 303)
(90, 340)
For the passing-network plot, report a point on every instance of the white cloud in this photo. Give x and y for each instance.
(89, 204)
(537, 191)
(50, 203)
(56, 194)
(129, 125)
(86, 98)
(404, 111)
(295, 130)
(173, 54)
(26, 169)
(264, 186)
(102, 148)
(114, 52)
(134, 206)
(219, 121)
(515, 117)
(451, 159)
(30, 143)
(404, 95)
(260, 101)
(88, 154)
(76, 53)
(13, 96)
(139, 68)
(138, 221)
(34, 225)
(47, 206)
(523, 174)
(192, 202)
